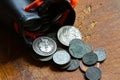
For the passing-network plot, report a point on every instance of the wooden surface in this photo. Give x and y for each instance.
(99, 22)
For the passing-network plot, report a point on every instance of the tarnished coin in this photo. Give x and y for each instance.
(90, 59)
(77, 48)
(67, 33)
(93, 73)
(44, 46)
(101, 53)
(61, 57)
(88, 47)
(74, 64)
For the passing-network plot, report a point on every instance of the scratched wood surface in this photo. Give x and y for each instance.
(99, 22)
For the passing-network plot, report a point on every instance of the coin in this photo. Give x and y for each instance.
(101, 53)
(93, 73)
(88, 47)
(67, 33)
(77, 48)
(74, 64)
(90, 59)
(43, 58)
(61, 57)
(44, 46)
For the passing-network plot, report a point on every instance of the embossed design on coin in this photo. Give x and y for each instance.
(93, 73)
(44, 46)
(74, 64)
(88, 47)
(101, 53)
(61, 57)
(67, 33)
(77, 48)
(90, 59)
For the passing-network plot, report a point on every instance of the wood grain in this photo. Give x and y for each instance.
(16, 64)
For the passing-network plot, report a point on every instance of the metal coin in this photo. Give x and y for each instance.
(101, 53)
(93, 73)
(67, 33)
(88, 47)
(65, 66)
(44, 46)
(77, 48)
(61, 57)
(42, 58)
(74, 64)
(90, 59)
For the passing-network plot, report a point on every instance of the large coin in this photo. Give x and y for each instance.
(77, 48)
(93, 73)
(101, 53)
(44, 46)
(67, 33)
(90, 59)
(61, 57)
(74, 64)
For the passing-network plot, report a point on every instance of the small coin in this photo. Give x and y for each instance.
(74, 64)
(90, 59)
(93, 73)
(67, 33)
(44, 46)
(101, 53)
(77, 48)
(61, 57)
(88, 47)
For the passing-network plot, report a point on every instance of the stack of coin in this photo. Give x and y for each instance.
(44, 48)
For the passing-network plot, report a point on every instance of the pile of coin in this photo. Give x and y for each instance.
(69, 52)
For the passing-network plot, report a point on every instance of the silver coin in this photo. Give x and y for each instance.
(48, 58)
(67, 33)
(74, 64)
(88, 47)
(93, 73)
(101, 53)
(77, 48)
(61, 57)
(44, 46)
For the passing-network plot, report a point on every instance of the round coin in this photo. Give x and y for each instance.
(101, 53)
(90, 59)
(74, 64)
(77, 48)
(61, 57)
(88, 47)
(93, 73)
(44, 46)
(67, 33)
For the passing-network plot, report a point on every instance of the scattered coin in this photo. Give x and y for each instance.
(74, 64)
(61, 57)
(88, 47)
(101, 53)
(93, 73)
(90, 59)
(44, 46)
(67, 33)
(77, 48)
